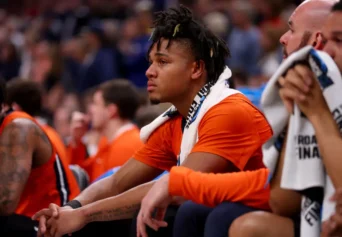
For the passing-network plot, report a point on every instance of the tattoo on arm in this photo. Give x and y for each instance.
(16, 149)
(125, 212)
(39, 134)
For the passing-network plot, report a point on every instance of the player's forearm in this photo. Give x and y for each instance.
(330, 145)
(211, 189)
(7, 202)
(102, 189)
(120, 207)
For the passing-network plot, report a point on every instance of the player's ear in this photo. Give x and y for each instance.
(319, 41)
(198, 68)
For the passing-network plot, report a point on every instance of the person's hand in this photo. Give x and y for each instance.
(301, 86)
(45, 214)
(333, 226)
(67, 222)
(157, 199)
(78, 126)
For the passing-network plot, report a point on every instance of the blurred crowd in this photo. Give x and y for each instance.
(70, 46)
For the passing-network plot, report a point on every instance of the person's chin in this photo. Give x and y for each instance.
(155, 101)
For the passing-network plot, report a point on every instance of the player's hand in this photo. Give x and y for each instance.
(67, 222)
(45, 214)
(78, 126)
(300, 86)
(157, 199)
(333, 226)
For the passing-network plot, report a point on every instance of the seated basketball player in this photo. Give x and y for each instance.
(210, 189)
(299, 85)
(186, 62)
(31, 172)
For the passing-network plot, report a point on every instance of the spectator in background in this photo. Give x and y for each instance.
(47, 70)
(112, 111)
(101, 63)
(74, 52)
(46, 63)
(242, 83)
(32, 172)
(272, 52)
(61, 122)
(9, 61)
(134, 43)
(268, 11)
(244, 39)
(62, 115)
(27, 96)
(218, 23)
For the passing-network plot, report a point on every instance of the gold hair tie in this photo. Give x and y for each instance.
(211, 52)
(151, 35)
(176, 30)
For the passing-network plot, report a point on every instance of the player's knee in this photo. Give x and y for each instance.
(248, 225)
(190, 210)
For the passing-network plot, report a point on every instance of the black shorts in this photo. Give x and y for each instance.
(17, 226)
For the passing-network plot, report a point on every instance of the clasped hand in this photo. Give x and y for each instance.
(57, 221)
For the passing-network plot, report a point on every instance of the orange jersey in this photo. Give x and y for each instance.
(233, 129)
(57, 142)
(49, 183)
(78, 154)
(111, 154)
(248, 187)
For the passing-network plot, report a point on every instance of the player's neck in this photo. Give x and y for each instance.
(183, 103)
(113, 126)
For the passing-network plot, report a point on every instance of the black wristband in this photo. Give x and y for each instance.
(74, 204)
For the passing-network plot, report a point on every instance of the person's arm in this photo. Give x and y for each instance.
(122, 206)
(283, 202)
(131, 174)
(248, 187)
(204, 162)
(17, 144)
(76, 150)
(330, 144)
(302, 87)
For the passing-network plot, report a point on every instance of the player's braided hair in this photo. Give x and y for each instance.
(337, 7)
(178, 25)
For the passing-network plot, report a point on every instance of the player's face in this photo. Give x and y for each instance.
(169, 73)
(98, 111)
(297, 36)
(332, 32)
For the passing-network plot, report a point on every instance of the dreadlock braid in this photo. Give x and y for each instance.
(337, 7)
(179, 24)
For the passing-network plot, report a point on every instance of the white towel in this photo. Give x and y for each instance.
(303, 168)
(219, 91)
